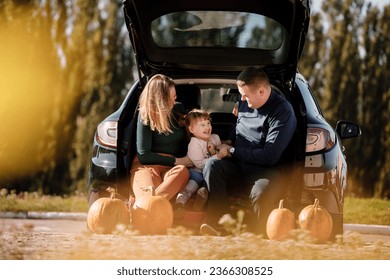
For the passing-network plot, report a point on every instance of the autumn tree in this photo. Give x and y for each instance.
(373, 160)
(347, 53)
(311, 64)
(90, 68)
(66, 65)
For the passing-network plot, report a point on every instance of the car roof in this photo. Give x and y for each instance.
(215, 36)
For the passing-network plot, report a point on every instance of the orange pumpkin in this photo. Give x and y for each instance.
(317, 220)
(106, 213)
(152, 215)
(280, 222)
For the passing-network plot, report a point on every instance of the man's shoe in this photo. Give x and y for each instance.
(201, 198)
(207, 230)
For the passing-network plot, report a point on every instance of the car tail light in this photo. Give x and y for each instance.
(318, 139)
(107, 133)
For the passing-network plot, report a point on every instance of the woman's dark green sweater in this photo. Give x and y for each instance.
(151, 143)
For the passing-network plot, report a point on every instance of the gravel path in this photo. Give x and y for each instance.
(30, 245)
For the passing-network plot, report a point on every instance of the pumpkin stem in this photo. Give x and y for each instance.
(281, 204)
(112, 192)
(316, 203)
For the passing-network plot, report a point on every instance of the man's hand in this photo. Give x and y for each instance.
(223, 152)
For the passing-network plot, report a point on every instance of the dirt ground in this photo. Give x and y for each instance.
(70, 240)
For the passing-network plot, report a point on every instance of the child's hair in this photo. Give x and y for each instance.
(196, 114)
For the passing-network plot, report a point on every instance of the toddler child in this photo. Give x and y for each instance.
(203, 145)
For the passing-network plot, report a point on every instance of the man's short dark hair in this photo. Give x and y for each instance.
(252, 76)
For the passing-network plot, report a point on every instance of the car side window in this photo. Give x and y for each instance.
(307, 93)
(313, 99)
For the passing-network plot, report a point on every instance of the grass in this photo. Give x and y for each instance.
(32, 201)
(356, 210)
(367, 211)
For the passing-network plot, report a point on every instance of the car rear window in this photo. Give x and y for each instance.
(217, 29)
(212, 100)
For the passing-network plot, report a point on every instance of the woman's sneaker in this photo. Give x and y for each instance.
(201, 198)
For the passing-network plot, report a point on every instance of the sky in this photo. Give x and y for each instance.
(316, 4)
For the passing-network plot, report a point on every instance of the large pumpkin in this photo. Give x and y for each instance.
(317, 220)
(106, 213)
(152, 215)
(280, 223)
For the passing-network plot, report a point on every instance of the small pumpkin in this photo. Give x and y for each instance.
(280, 222)
(106, 213)
(317, 220)
(152, 214)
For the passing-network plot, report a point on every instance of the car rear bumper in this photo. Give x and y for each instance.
(325, 176)
(102, 170)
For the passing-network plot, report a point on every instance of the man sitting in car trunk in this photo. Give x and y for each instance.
(265, 125)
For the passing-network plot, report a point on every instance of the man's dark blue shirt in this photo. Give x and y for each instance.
(263, 134)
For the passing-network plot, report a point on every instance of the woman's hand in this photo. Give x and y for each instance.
(184, 161)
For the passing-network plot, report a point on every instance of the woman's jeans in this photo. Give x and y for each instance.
(166, 181)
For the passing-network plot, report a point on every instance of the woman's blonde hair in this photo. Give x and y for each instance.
(155, 104)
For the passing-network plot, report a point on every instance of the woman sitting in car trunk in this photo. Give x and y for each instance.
(160, 165)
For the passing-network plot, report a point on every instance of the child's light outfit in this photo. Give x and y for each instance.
(199, 153)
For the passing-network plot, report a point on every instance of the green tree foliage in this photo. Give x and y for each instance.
(83, 62)
(342, 72)
(311, 63)
(373, 165)
(93, 66)
(350, 70)
(108, 70)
